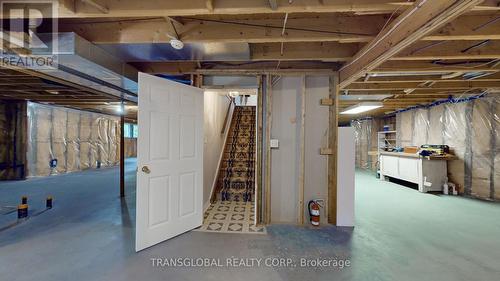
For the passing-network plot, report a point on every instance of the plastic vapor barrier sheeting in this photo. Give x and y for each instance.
(363, 139)
(471, 130)
(64, 140)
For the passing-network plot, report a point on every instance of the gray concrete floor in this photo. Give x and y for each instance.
(400, 235)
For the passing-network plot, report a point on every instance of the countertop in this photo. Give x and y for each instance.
(416, 155)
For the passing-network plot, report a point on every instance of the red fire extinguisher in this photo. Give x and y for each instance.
(314, 212)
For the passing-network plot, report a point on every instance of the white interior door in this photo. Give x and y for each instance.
(169, 160)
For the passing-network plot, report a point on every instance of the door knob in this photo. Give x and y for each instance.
(145, 169)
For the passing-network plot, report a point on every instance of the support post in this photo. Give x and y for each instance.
(332, 144)
(259, 142)
(122, 156)
(269, 105)
(302, 151)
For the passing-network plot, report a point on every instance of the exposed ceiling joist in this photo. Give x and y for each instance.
(421, 19)
(192, 67)
(317, 28)
(273, 4)
(94, 4)
(409, 85)
(333, 51)
(210, 5)
(324, 51)
(134, 8)
(426, 67)
(448, 50)
(424, 78)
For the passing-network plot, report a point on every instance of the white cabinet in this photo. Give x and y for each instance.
(429, 174)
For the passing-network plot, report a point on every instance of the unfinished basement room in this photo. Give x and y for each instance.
(249, 140)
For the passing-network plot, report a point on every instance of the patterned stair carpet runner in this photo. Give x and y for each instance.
(237, 172)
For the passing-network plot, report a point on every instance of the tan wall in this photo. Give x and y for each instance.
(285, 167)
(316, 173)
(284, 160)
(215, 106)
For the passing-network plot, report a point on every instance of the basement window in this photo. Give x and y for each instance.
(131, 130)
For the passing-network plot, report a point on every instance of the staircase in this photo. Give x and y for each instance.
(237, 171)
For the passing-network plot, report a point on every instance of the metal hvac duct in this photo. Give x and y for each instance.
(81, 62)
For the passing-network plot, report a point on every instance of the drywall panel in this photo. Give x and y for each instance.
(345, 177)
(284, 160)
(316, 137)
(215, 107)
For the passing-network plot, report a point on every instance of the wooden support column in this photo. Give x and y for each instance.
(122, 155)
(332, 144)
(199, 81)
(269, 105)
(259, 142)
(302, 152)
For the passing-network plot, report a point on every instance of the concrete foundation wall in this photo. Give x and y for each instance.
(13, 140)
(469, 128)
(79, 140)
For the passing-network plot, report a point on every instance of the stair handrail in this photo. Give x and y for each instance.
(228, 111)
(228, 119)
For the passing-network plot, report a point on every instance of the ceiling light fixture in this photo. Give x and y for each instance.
(176, 44)
(121, 108)
(362, 107)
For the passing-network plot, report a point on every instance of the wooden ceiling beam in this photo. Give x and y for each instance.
(451, 50)
(395, 101)
(323, 51)
(417, 85)
(172, 67)
(300, 28)
(424, 78)
(468, 27)
(134, 8)
(426, 67)
(334, 51)
(420, 92)
(419, 20)
(233, 67)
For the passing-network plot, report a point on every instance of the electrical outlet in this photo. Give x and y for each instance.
(274, 143)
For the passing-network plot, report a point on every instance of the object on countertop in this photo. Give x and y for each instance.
(410, 149)
(436, 148)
